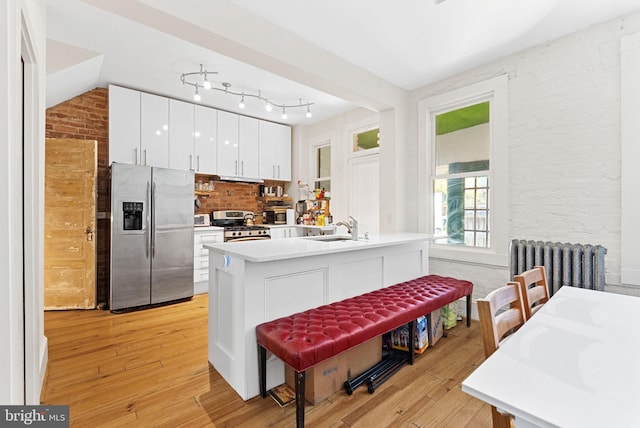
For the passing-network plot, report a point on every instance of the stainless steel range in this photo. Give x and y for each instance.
(238, 226)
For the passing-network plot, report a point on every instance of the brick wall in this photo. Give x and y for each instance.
(86, 117)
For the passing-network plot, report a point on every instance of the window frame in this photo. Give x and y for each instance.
(316, 160)
(360, 130)
(494, 90)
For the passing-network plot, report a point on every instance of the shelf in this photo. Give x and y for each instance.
(276, 198)
(203, 192)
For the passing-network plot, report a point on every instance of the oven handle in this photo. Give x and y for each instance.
(248, 238)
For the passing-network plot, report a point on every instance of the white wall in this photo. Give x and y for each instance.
(564, 145)
(22, 356)
(338, 131)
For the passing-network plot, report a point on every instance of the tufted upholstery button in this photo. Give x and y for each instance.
(304, 339)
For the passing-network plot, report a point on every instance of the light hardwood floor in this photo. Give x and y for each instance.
(149, 369)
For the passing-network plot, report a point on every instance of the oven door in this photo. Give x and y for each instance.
(247, 238)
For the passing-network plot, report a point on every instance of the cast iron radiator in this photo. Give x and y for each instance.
(574, 265)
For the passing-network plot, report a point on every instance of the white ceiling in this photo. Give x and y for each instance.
(331, 53)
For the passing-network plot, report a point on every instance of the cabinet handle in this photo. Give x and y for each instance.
(236, 167)
(273, 174)
(145, 156)
(191, 162)
(198, 163)
(242, 168)
(135, 156)
(278, 171)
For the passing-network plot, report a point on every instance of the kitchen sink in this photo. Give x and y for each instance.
(329, 238)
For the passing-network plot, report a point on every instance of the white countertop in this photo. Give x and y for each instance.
(208, 229)
(573, 364)
(280, 249)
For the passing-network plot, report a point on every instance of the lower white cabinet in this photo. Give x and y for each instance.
(281, 232)
(201, 256)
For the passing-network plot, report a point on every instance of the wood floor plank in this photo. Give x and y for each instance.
(149, 368)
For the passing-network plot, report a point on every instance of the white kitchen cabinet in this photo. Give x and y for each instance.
(201, 237)
(283, 232)
(154, 130)
(248, 153)
(275, 151)
(205, 140)
(124, 125)
(181, 140)
(228, 144)
(237, 145)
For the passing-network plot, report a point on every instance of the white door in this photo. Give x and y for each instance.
(364, 195)
(283, 152)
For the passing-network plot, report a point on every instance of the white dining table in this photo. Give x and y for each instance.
(575, 363)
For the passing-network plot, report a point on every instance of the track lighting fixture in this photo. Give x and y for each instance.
(199, 79)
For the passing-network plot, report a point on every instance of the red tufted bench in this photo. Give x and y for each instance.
(307, 338)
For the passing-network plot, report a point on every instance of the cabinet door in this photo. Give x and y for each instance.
(266, 140)
(124, 125)
(228, 144)
(181, 154)
(248, 147)
(154, 130)
(282, 143)
(206, 128)
(277, 232)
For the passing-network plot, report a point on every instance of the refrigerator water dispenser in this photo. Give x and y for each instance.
(132, 215)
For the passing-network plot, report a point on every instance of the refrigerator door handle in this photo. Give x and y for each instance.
(153, 222)
(147, 225)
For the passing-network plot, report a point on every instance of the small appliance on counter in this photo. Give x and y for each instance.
(202, 220)
(238, 226)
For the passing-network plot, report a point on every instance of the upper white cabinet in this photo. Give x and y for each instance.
(237, 145)
(275, 151)
(248, 153)
(154, 130)
(124, 125)
(228, 144)
(146, 129)
(205, 140)
(181, 135)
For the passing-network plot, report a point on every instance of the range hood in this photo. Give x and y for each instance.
(240, 179)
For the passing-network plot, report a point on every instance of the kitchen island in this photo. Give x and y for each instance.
(257, 281)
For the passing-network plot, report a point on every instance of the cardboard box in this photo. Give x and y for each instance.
(434, 326)
(400, 337)
(329, 376)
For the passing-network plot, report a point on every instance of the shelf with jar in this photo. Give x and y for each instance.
(204, 184)
(318, 212)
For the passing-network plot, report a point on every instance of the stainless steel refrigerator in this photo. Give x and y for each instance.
(151, 235)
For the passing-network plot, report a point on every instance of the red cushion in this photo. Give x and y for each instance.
(304, 339)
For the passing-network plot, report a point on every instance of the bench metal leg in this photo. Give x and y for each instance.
(300, 378)
(262, 370)
(468, 310)
(412, 341)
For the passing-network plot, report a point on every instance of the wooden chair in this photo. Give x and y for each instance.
(534, 289)
(498, 326)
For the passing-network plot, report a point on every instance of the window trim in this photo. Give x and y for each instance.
(495, 90)
(315, 149)
(630, 150)
(358, 130)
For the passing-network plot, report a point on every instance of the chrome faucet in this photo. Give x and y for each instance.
(352, 227)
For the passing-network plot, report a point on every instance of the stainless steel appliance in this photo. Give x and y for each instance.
(235, 227)
(202, 220)
(151, 235)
